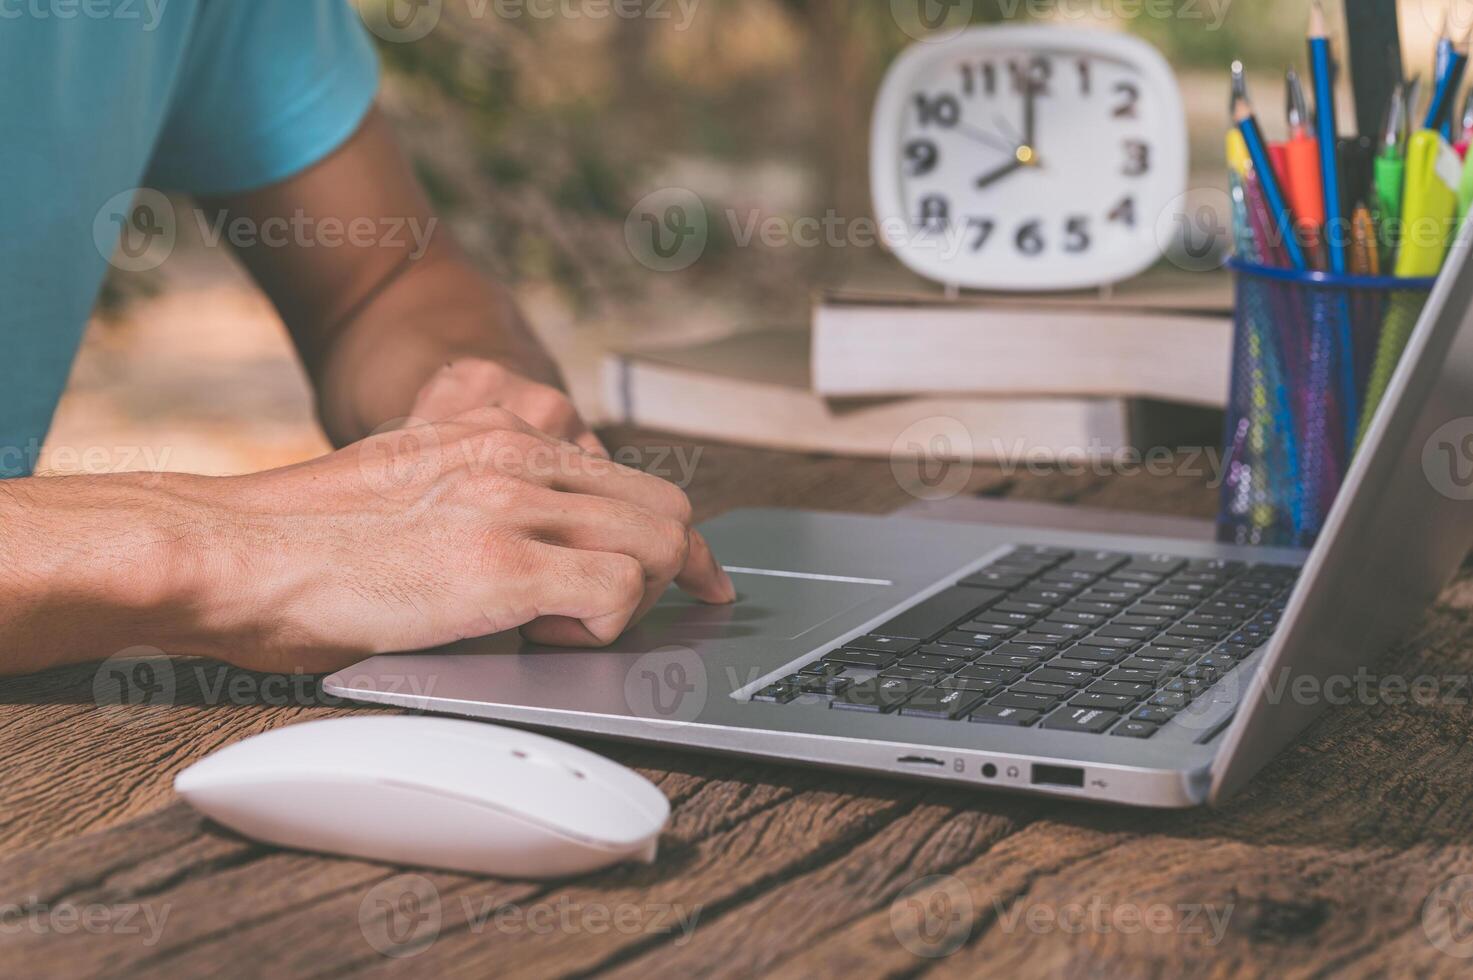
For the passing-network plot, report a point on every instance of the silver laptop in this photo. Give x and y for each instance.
(940, 650)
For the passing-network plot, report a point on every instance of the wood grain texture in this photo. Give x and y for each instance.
(1324, 865)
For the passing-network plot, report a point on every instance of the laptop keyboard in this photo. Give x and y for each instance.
(1092, 641)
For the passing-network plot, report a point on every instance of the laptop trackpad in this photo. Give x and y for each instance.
(768, 606)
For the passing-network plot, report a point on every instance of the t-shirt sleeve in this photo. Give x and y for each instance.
(268, 88)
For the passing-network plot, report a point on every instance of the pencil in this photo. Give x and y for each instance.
(1247, 123)
(1322, 70)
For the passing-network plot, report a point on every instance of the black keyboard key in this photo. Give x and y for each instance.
(1167, 609)
(1088, 720)
(1105, 702)
(1160, 564)
(1110, 642)
(975, 684)
(779, 692)
(1135, 729)
(1034, 651)
(1211, 619)
(880, 694)
(941, 702)
(1125, 689)
(914, 673)
(1057, 676)
(989, 579)
(1029, 608)
(1082, 666)
(823, 668)
(1201, 674)
(1237, 650)
(991, 714)
(1053, 691)
(1197, 631)
(882, 644)
(1146, 578)
(1073, 575)
(1164, 668)
(1098, 562)
(1152, 715)
(1068, 587)
(1123, 676)
(1102, 654)
(947, 650)
(1091, 606)
(1077, 616)
(1119, 632)
(1030, 702)
(1169, 699)
(1217, 661)
(1199, 643)
(1013, 663)
(932, 662)
(1015, 620)
(1191, 688)
(1157, 623)
(861, 658)
(823, 685)
(934, 616)
(986, 640)
(988, 672)
(1047, 597)
(1047, 639)
(1178, 654)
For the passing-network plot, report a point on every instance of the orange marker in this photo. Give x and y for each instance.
(1304, 183)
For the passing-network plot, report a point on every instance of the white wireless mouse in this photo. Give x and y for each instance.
(431, 792)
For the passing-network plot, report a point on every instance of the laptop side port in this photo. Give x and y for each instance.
(1058, 776)
(920, 760)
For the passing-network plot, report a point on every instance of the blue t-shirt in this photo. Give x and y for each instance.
(107, 96)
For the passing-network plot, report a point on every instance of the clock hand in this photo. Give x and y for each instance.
(987, 180)
(1030, 115)
(982, 136)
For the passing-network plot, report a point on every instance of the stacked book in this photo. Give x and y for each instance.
(1015, 378)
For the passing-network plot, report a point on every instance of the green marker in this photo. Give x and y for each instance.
(1391, 170)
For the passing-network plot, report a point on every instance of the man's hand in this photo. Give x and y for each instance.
(472, 383)
(406, 541)
(460, 529)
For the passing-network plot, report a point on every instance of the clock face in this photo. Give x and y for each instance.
(1028, 157)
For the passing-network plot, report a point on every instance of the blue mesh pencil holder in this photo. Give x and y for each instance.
(1312, 355)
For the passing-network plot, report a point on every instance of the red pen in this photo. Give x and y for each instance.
(1304, 184)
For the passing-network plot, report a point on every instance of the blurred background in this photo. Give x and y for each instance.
(537, 127)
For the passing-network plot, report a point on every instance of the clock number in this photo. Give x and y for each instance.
(1137, 158)
(1035, 75)
(1124, 212)
(1130, 93)
(1030, 239)
(921, 157)
(1085, 80)
(935, 213)
(986, 74)
(1078, 232)
(982, 229)
(944, 110)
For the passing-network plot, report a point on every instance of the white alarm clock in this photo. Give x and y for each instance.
(1021, 157)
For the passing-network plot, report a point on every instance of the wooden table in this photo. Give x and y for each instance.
(1342, 856)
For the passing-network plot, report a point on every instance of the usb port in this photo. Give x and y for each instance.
(1058, 776)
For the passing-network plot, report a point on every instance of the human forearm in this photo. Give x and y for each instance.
(90, 566)
(437, 310)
